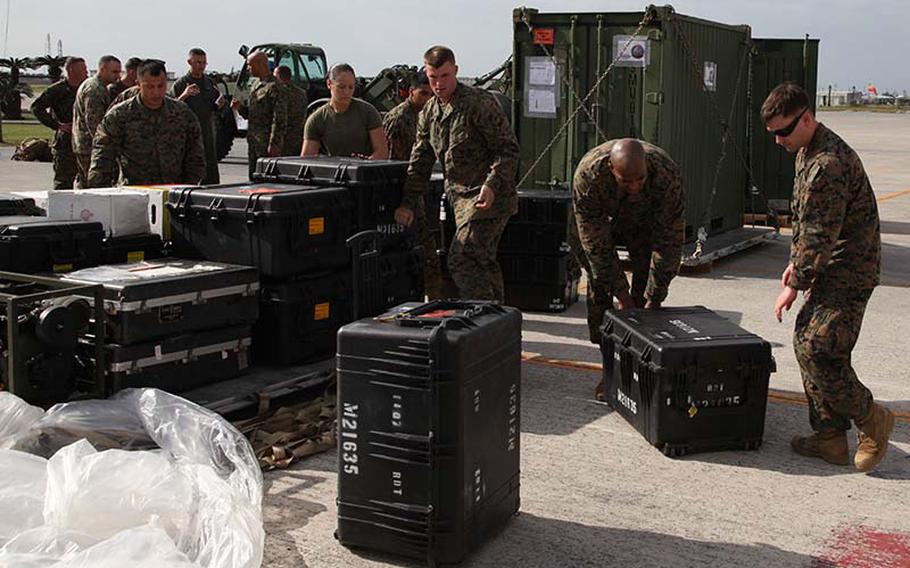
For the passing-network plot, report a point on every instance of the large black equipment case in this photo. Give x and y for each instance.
(283, 230)
(375, 185)
(428, 428)
(299, 318)
(544, 283)
(30, 245)
(181, 362)
(131, 248)
(541, 225)
(18, 206)
(686, 378)
(145, 301)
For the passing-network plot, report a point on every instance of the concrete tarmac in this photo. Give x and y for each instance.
(594, 493)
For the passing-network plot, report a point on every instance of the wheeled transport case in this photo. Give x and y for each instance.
(428, 428)
(687, 379)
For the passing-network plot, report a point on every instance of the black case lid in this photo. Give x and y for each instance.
(22, 226)
(259, 198)
(332, 169)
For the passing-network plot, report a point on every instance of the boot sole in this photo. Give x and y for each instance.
(878, 457)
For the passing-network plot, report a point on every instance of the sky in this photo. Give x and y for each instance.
(862, 41)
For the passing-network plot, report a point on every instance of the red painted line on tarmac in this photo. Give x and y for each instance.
(774, 395)
(894, 195)
(865, 547)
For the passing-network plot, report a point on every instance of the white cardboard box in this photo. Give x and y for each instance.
(40, 197)
(121, 211)
(158, 215)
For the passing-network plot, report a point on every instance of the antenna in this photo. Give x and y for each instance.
(6, 33)
(59, 48)
(47, 46)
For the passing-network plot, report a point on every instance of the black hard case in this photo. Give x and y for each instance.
(131, 248)
(429, 428)
(375, 185)
(541, 225)
(180, 362)
(545, 283)
(281, 229)
(30, 245)
(149, 300)
(13, 205)
(299, 318)
(687, 379)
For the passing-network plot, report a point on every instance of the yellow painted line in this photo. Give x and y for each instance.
(893, 195)
(774, 395)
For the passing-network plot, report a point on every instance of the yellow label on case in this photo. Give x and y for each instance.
(321, 311)
(317, 225)
(135, 256)
(63, 267)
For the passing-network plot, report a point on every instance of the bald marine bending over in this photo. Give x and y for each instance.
(627, 192)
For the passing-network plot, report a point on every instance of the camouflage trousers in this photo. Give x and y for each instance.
(432, 268)
(600, 297)
(256, 148)
(293, 142)
(83, 164)
(472, 255)
(826, 331)
(65, 168)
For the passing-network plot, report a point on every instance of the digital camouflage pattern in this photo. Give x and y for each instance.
(472, 139)
(52, 108)
(400, 126)
(297, 104)
(92, 101)
(650, 224)
(826, 331)
(267, 113)
(836, 237)
(114, 90)
(836, 255)
(152, 146)
(125, 95)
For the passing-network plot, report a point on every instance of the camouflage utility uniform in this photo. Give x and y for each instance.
(293, 135)
(400, 125)
(52, 108)
(267, 113)
(204, 106)
(114, 90)
(92, 101)
(472, 139)
(125, 95)
(836, 258)
(650, 224)
(152, 146)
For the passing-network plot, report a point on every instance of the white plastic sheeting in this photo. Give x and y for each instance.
(145, 479)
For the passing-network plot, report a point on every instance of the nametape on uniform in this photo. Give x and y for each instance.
(321, 311)
(317, 225)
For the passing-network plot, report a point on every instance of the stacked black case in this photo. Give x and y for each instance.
(31, 245)
(687, 379)
(538, 271)
(429, 428)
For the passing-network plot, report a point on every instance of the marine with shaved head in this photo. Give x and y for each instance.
(266, 110)
(628, 192)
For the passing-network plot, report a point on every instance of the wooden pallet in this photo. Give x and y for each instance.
(765, 220)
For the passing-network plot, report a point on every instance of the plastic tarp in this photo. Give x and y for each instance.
(144, 479)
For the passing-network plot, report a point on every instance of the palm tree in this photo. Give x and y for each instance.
(11, 101)
(54, 64)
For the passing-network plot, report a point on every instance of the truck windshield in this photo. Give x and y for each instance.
(315, 66)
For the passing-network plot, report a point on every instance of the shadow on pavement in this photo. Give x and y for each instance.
(544, 541)
(287, 511)
(558, 401)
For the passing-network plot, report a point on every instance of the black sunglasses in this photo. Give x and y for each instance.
(788, 130)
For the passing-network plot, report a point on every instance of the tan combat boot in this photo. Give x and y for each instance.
(874, 430)
(830, 446)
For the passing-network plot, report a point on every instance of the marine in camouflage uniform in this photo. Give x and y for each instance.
(267, 113)
(204, 105)
(125, 95)
(650, 223)
(53, 108)
(296, 119)
(835, 258)
(471, 137)
(400, 126)
(92, 101)
(836, 254)
(162, 146)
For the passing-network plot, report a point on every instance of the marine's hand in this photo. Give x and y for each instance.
(625, 301)
(404, 216)
(784, 301)
(485, 198)
(190, 91)
(273, 150)
(652, 305)
(785, 277)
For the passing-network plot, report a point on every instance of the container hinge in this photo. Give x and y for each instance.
(655, 98)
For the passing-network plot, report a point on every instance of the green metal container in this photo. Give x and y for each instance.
(773, 62)
(682, 83)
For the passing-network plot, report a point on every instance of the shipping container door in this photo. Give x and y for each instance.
(773, 62)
